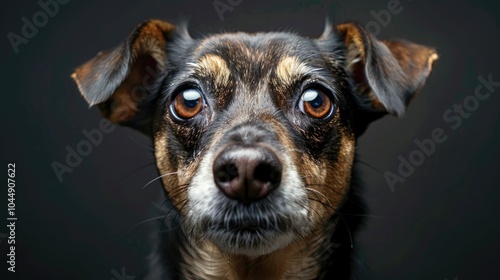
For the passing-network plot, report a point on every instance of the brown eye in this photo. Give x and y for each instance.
(315, 103)
(188, 104)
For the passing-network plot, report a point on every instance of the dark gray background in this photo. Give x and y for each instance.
(440, 223)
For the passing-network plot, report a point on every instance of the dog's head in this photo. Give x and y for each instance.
(254, 133)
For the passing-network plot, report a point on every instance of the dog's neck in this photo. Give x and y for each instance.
(303, 259)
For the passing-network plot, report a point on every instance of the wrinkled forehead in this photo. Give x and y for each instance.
(253, 58)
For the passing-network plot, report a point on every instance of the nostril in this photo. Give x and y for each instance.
(267, 173)
(222, 177)
(225, 173)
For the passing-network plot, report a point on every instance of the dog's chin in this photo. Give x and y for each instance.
(249, 238)
(251, 230)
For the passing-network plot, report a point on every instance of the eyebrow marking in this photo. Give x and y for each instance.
(290, 68)
(213, 66)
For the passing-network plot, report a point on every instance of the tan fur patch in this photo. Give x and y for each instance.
(213, 66)
(431, 60)
(206, 263)
(327, 182)
(290, 68)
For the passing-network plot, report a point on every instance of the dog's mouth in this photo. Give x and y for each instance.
(270, 223)
(249, 229)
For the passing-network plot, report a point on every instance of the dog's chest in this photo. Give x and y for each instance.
(299, 262)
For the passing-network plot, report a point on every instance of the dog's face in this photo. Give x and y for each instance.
(254, 134)
(258, 129)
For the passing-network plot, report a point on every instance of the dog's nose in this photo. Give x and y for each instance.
(247, 173)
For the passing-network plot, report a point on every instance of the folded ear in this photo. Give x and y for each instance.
(386, 74)
(117, 81)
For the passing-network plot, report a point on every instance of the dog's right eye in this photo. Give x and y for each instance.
(187, 103)
(316, 103)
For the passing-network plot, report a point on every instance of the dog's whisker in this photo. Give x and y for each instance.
(136, 170)
(348, 230)
(141, 144)
(342, 218)
(161, 176)
(160, 204)
(178, 191)
(363, 215)
(370, 166)
(319, 194)
(342, 195)
(172, 208)
(174, 219)
(148, 220)
(179, 210)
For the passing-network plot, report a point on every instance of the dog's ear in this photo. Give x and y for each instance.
(386, 74)
(117, 81)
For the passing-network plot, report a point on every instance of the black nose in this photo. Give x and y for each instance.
(247, 173)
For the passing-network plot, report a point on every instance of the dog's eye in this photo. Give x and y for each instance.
(315, 103)
(188, 103)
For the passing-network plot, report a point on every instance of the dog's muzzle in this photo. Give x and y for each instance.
(247, 196)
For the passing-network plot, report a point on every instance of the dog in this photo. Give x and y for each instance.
(254, 139)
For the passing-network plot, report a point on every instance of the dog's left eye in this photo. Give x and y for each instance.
(187, 103)
(315, 103)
